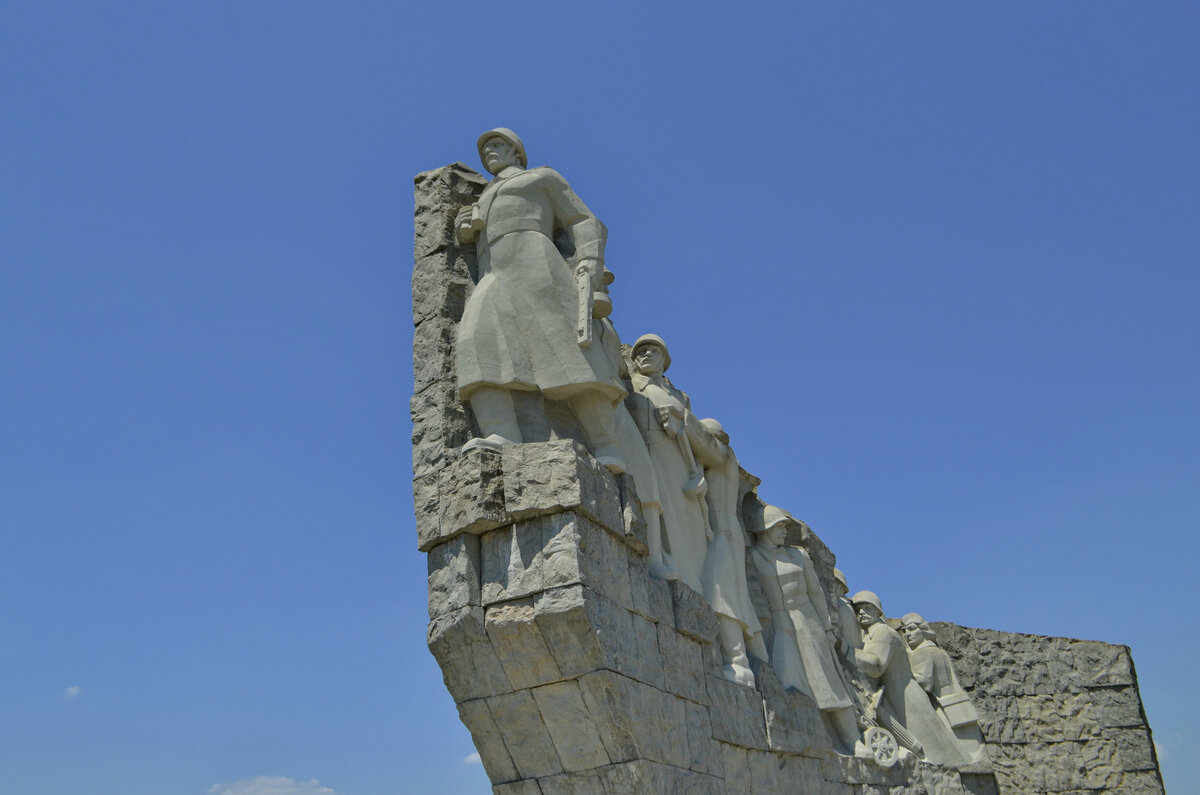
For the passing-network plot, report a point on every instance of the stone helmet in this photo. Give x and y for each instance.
(508, 135)
(654, 339)
(716, 429)
(918, 619)
(773, 516)
(867, 598)
(840, 579)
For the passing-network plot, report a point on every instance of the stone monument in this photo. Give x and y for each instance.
(614, 608)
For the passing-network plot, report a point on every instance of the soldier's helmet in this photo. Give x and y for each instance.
(654, 339)
(867, 598)
(508, 135)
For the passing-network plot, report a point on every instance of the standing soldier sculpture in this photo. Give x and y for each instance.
(528, 324)
(802, 650)
(934, 672)
(724, 576)
(664, 416)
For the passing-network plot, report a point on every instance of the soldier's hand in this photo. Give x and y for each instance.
(462, 224)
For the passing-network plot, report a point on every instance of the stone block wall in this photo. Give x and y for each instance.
(575, 671)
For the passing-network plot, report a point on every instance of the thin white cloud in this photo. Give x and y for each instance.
(271, 785)
(1160, 752)
(472, 759)
(72, 691)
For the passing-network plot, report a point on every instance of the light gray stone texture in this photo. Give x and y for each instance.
(586, 782)
(471, 492)
(852, 770)
(646, 776)
(470, 667)
(439, 194)
(1059, 715)
(1134, 747)
(525, 734)
(703, 752)
(1117, 706)
(683, 664)
(636, 720)
(440, 428)
(528, 786)
(519, 645)
(454, 575)
(737, 713)
(693, 616)
(558, 476)
(489, 739)
(793, 721)
(651, 596)
(570, 725)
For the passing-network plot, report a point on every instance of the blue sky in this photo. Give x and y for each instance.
(933, 266)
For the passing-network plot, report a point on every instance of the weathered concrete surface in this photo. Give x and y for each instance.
(1059, 715)
(576, 672)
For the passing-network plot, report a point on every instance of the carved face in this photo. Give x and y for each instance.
(649, 359)
(498, 154)
(913, 634)
(775, 534)
(867, 615)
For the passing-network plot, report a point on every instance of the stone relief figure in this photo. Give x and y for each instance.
(802, 650)
(664, 416)
(529, 322)
(934, 672)
(724, 576)
(849, 637)
(901, 705)
(657, 513)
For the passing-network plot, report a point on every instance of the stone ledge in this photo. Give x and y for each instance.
(468, 493)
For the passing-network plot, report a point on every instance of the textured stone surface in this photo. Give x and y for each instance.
(693, 616)
(489, 740)
(793, 721)
(519, 645)
(440, 427)
(525, 734)
(470, 667)
(571, 729)
(557, 476)
(454, 575)
(1059, 715)
(737, 713)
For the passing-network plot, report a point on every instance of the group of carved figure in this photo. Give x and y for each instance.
(537, 321)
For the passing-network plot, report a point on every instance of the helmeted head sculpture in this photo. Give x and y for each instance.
(508, 135)
(774, 526)
(656, 341)
(716, 429)
(868, 607)
(840, 579)
(773, 516)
